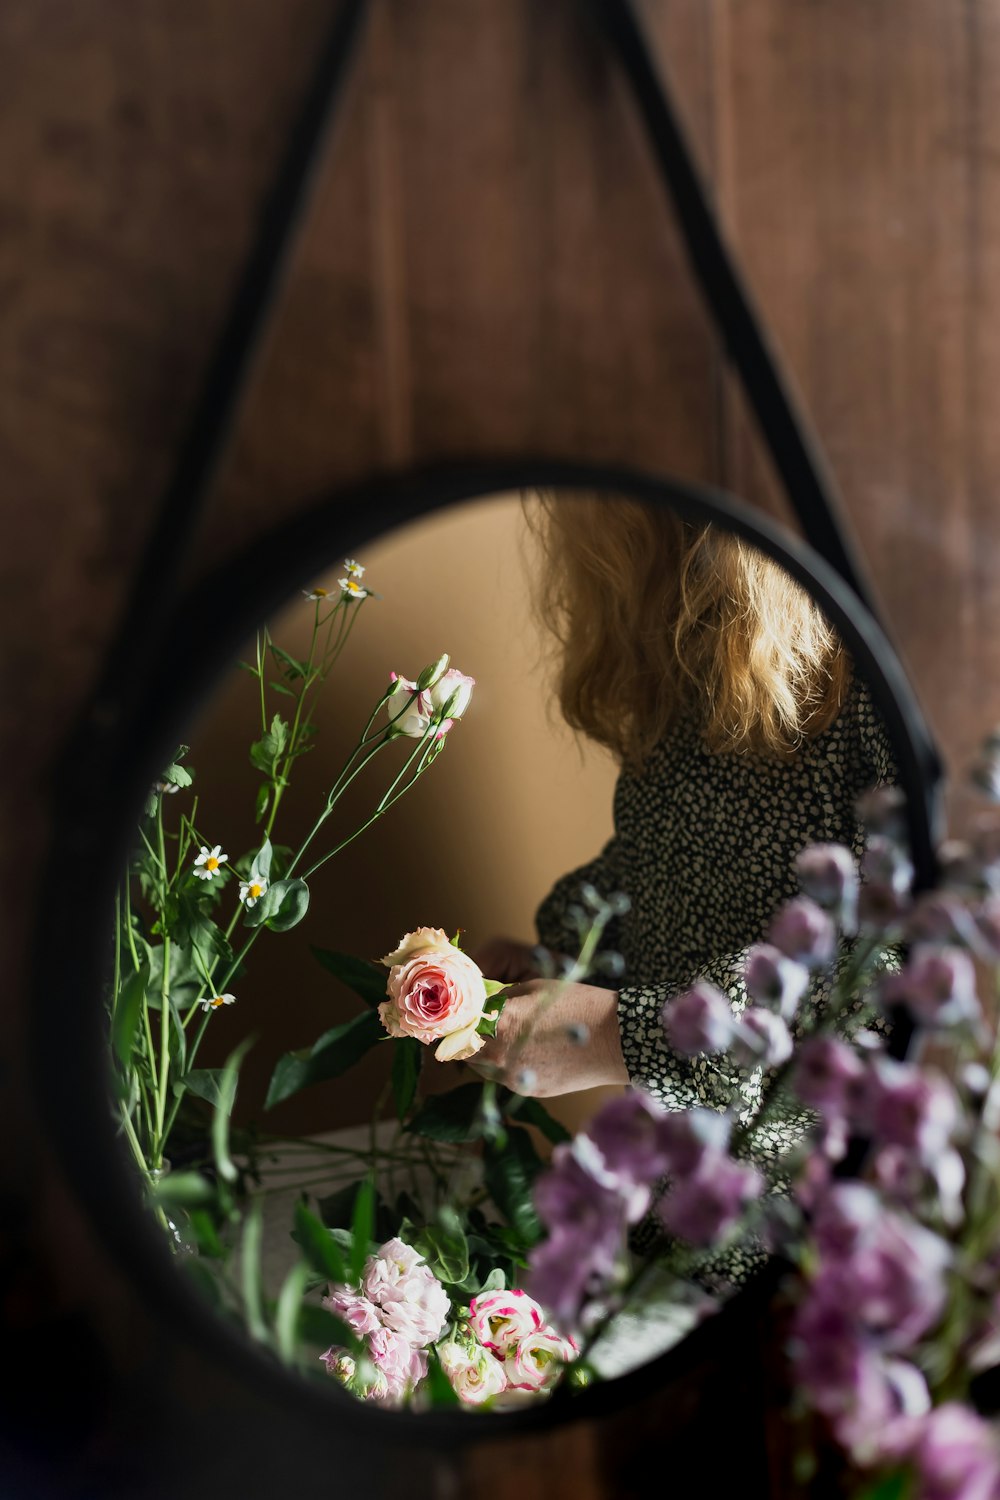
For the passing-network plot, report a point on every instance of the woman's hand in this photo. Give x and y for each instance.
(556, 1039)
(506, 959)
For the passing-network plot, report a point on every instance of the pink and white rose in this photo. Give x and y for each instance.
(500, 1320)
(536, 1360)
(435, 990)
(474, 1373)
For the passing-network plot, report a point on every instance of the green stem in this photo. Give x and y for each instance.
(161, 1095)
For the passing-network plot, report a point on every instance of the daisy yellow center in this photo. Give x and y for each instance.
(321, 593)
(211, 863)
(219, 1000)
(253, 891)
(353, 585)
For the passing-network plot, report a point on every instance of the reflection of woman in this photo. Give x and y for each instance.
(742, 736)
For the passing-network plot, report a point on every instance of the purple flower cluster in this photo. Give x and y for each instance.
(604, 1181)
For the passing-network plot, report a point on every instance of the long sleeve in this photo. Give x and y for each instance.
(555, 929)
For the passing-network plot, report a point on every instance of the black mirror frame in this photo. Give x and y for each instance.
(133, 729)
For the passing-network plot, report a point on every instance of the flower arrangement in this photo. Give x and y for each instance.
(499, 1274)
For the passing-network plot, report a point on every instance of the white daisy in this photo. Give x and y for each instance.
(354, 569)
(212, 1002)
(251, 890)
(351, 588)
(317, 595)
(209, 862)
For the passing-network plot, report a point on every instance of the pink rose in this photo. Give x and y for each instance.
(353, 1309)
(501, 1319)
(535, 1362)
(434, 990)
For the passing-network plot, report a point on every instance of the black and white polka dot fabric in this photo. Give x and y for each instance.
(704, 847)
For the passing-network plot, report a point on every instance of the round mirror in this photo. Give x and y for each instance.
(420, 998)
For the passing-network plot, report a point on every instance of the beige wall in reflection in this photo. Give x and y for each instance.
(514, 802)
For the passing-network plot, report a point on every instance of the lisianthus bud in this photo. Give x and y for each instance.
(776, 980)
(451, 691)
(430, 674)
(762, 1039)
(827, 873)
(803, 931)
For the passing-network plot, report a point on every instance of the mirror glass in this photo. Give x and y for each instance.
(383, 842)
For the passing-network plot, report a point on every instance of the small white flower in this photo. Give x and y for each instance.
(351, 588)
(212, 1002)
(317, 595)
(209, 862)
(354, 569)
(166, 788)
(251, 890)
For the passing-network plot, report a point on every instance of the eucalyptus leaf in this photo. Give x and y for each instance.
(334, 1052)
(444, 1246)
(367, 980)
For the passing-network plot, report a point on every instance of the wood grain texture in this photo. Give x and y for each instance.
(489, 268)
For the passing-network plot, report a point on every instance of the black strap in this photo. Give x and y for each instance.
(217, 405)
(786, 431)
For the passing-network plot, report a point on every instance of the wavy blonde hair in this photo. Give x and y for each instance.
(652, 614)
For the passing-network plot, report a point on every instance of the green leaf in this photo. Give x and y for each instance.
(320, 1248)
(128, 1010)
(405, 1073)
(268, 750)
(286, 1321)
(454, 1116)
(253, 1298)
(367, 980)
(362, 1224)
(282, 906)
(280, 687)
(177, 776)
(322, 1328)
(260, 869)
(203, 1082)
(224, 1108)
(509, 1174)
(263, 799)
(495, 1282)
(183, 1190)
(444, 1246)
(894, 1486)
(530, 1112)
(333, 1053)
(294, 667)
(206, 1235)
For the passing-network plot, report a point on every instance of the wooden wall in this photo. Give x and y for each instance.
(489, 268)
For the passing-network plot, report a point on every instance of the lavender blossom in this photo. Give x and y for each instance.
(628, 1132)
(910, 1107)
(700, 1020)
(775, 980)
(937, 985)
(883, 810)
(884, 897)
(703, 1208)
(690, 1136)
(957, 1455)
(802, 930)
(826, 1076)
(845, 1219)
(828, 874)
(762, 1039)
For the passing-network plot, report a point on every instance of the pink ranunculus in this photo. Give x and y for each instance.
(500, 1319)
(535, 1361)
(434, 989)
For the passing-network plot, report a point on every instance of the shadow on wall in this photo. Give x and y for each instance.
(514, 802)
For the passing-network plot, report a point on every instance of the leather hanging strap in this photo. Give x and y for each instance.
(794, 449)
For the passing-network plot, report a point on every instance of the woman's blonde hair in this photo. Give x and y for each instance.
(653, 614)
